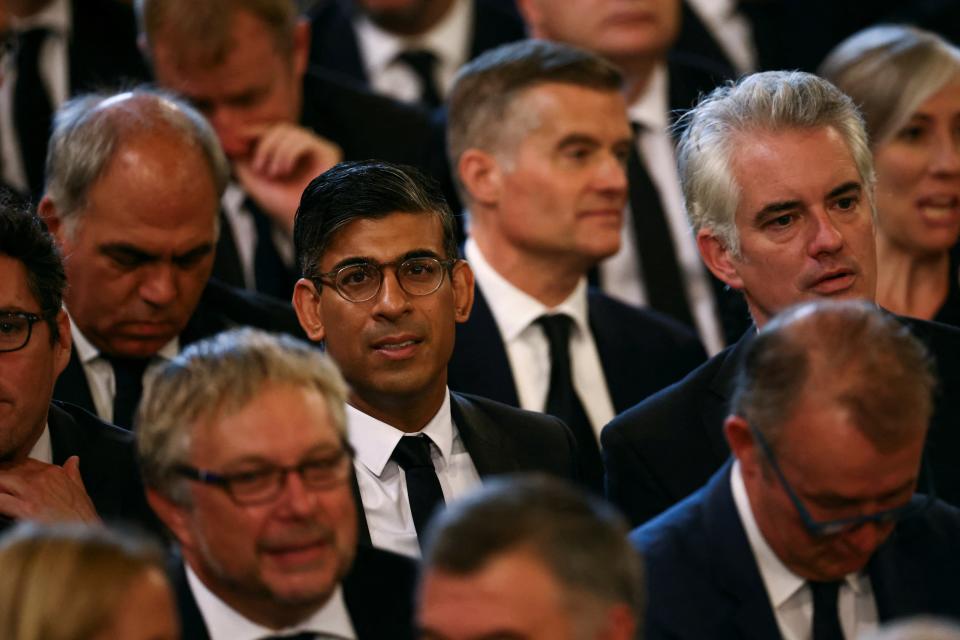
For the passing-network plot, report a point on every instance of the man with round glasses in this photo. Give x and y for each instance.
(812, 530)
(57, 462)
(243, 446)
(383, 290)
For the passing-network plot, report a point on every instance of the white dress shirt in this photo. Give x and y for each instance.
(449, 40)
(732, 31)
(225, 623)
(43, 448)
(244, 233)
(528, 350)
(790, 596)
(619, 273)
(383, 484)
(99, 372)
(57, 18)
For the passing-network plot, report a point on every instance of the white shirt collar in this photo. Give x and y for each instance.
(55, 17)
(651, 109)
(87, 352)
(448, 39)
(780, 581)
(374, 441)
(513, 310)
(225, 623)
(43, 448)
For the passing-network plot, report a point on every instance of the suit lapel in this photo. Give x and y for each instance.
(72, 385)
(479, 364)
(619, 369)
(491, 454)
(192, 626)
(735, 568)
(716, 403)
(363, 530)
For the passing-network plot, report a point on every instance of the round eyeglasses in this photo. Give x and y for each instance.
(361, 281)
(15, 329)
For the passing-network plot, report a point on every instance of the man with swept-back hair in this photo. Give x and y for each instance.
(383, 288)
(57, 461)
(813, 529)
(777, 177)
(530, 557)
(243, 445)
(244, 65)
(539, 137)
(133, 183)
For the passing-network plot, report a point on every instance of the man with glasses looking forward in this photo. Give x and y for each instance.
(243, 446)
(383, 290)
(813, 529)
(57, 462)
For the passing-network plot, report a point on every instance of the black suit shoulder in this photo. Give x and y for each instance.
(666, 447)
(107, 464)
(504, 439)
(103, 47)
(379, 593)
(223, 307)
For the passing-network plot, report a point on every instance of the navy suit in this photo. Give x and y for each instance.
(333, 41)
(669, 445)
(703, 581)
(500, 440)
(220, 308)
(378, 592)
(641, 352)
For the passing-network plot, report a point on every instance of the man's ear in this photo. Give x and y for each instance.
(461, 277)
(718, 258)
(532, 14)
(306, 302)
(741, 442)
(48, 212)
(481, 176)
(174, 516)
(301, 47)
(64, 344)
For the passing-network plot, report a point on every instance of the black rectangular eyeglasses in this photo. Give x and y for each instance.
(818, 528)
(16, 328)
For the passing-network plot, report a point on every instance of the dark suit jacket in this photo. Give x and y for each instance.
(703, 581)
(365, 126)
(220, 308)
(670, 444)
(378, 593)
(641, 352)
(333, 41)
(502, 439)
(107, 465)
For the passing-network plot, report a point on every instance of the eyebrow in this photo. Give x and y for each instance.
(321, 448)
(896, 491)
(790, 205)
(415, 253)
(577, 138)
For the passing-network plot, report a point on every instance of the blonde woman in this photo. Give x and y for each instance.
(72, 582)
(907, 83)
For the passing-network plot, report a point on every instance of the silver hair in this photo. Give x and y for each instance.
(218, 377)
(889, 71)
(771, 101)
(89, 129)
(917, 628)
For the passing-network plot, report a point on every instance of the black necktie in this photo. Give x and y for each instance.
(826, 619)
(563, 401)
(32, 108)
(128, 379)
(412, 453)
(661, 272)
(270, 275)
(424, 64)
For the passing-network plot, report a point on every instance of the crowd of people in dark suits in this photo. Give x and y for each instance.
(475, 319)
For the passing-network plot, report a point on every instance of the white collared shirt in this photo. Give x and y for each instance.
(226, 623)
(43, 448)
(790, 597)
(449, 40)
(244, 233)
(528, 350)
(57, 18)
(619, 273)
(383, 484)
(732, 31)
(99, 372)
